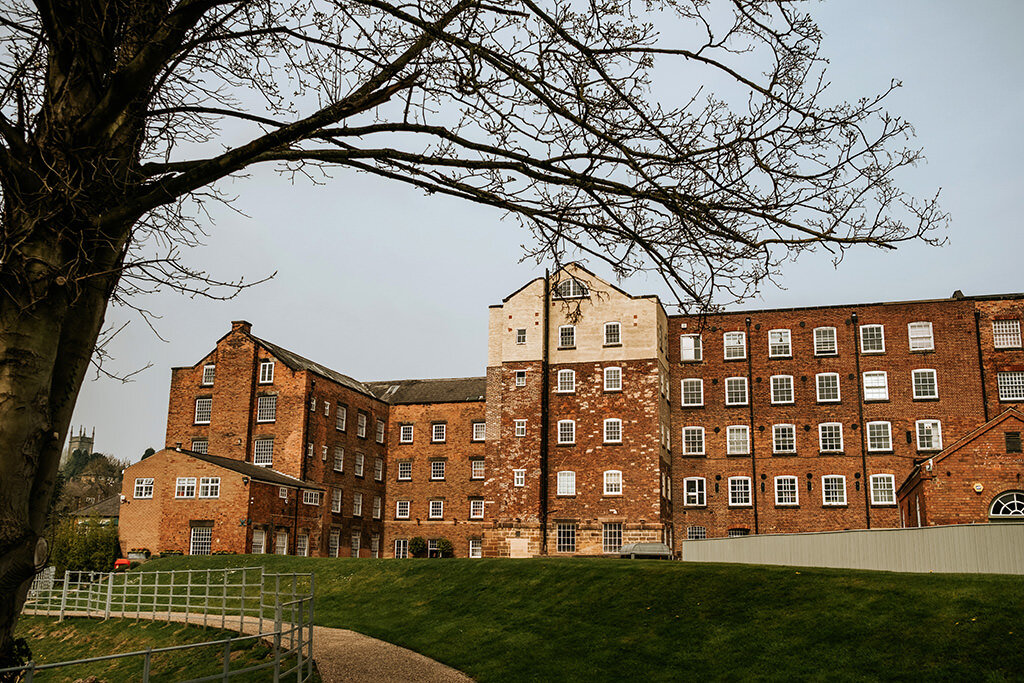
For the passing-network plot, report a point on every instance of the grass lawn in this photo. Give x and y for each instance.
(607, 619)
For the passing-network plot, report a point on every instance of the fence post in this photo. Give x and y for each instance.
(63, 596)
(224, 601)
(227, 660)
(277, 640)
(188, 594)
(30, 672)
(262, 578)
(110, 594)
(147, 662)
(312, 592)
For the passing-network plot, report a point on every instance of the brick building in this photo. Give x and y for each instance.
(602, 420)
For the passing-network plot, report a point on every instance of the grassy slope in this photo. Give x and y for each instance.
(604, 619)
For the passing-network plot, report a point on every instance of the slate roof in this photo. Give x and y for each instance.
(254, 472)
(449, 390)
(108, 507)
(297, 362)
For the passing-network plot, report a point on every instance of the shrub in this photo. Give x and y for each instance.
(84, 547)
(224, 552)
(445, 548)
(418, 546)
(171, 553)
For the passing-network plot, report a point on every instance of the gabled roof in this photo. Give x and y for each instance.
(108, 507)
(449, 390)
(568, 269)
(254, 472)
(297, 362)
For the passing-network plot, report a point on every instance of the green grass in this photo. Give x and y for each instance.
(603, 619)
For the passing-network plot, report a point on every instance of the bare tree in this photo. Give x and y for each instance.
(117, 118)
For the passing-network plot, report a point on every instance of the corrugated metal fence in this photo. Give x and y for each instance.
(967, 548)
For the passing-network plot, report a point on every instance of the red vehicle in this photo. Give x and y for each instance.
(121, 565)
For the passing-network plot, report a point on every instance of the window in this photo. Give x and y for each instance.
(693, 441)
(143, 488)
(566, 483)
(1013, 442)
(210, 370)
(613, 430)
(833, 489)
(830, 437)
(201, 542)
(693, 392)
(282, 493)
(302, 545)
(571, 289)
(438, 431)
(404, 471)
(209, 487)
(309, 449)
(376, 507)
(737, 440)
(613, 483)
(737, 533)
(200, 446)
(879, 436)
(476, 469)
(787, 491)
(521, 335)
(185, 487)
(1011, 386)
(378, 469)
(267, 372)
(334, 544)
(360, 460)
(783, 438)
(828, 387)
(782, 389)
(380, 431)
(883, 489)
(339, 459)
(323, 452)
(691, 348)
(479, 431)
(263, 452)
(735, 345)
(311, 497)
(696, 533)
(735, 391)
(921, 338)
(779, 344)
(259, 541)
(204, 407)
(567, 337)
(566, 432)
(402, 509)
(929, 435)
(520, 378)
(476, 508)
(361, 425)
(437, 469)
(1009, 504)
(613, 379)
(739, 491)
(356, 543)
(566, 535)
(436, 509)
(566, 381)
(825, 341)
(612, 334)
(694, 491)
(341, 418)
(401, 548)
(405, 434)
(872, 339)
(476, 548)
(520, 426)
(312, 404)
(1005, 335)
(327, 409)
(519, 478)
(876, 386)
(611, 537)
(336, 500)
(357, 504)
(926, 384)
(281, 543)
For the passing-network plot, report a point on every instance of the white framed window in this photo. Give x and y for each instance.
(341, 418)
(200, 446)
(566, 483)
(872, 339)
(309, 449)
(378, 469)
(565, 538)
(438, 432)
(404, 471)
(613, 379)
(334, 543)
(612, 334)
(520, 378)
(926, 383)
(876, 386)
(1011, 385)
(476, 469)
(281, 542)
(929, 435)
(883, 489)
(375, 511)
(833, 489)
(827, 387)
(571, 289)
(921, 338)
(310, 497)
(361, 425)
(312, 404)
(208, 373)
(436, 509)
(519, 478)
(520, 427)
(825, 341)
(357, 504)
(566, 381)
(282, 492)
(737, 440)
(323, 452)
(784, 438)
(691, 348)
(263, 452)
(339, 459)
(209, 487)
(402, 509)
(360, 463)
(204, 407)
(693, 441)
(1008, 504)
(437, 468)
(143, 488)
(739, 492)
(476, 548)
(613, 483)
(613, 430)
(696, 533)
(401, 548)
(405, 433)
(780, 344)
(567, 337)
(521, 335)
(259, 541)
(879, 436)
(185, 487)
(1005, 334)
(735, 344)
(830, 437)
(266, 372)
(735, 391)
(611, 537)
(357, 541)
(327, 408)
(782, 389)
(787, 490)
(693, 392)
(302, 545)
(479, 431)
(476, 508)
(201, 541)
(694, 491)
(337, 497)
(380, 431)
(566, 431)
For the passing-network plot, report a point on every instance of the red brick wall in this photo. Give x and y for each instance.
(1003, 359)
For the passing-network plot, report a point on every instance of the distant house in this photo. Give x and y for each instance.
(105, 512)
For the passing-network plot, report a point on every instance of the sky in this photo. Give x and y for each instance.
(380, 282)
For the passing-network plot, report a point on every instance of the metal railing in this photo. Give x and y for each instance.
(278, 607)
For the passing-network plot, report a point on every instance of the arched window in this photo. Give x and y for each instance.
(1009, 504)
(571, 289)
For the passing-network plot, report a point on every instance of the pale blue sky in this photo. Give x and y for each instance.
(380, 282)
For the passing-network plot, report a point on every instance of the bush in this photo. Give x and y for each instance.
(418, 546)
(84, 547)
(171, 553)
(445, 548)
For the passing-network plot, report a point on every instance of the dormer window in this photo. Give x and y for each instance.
(571, 289)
